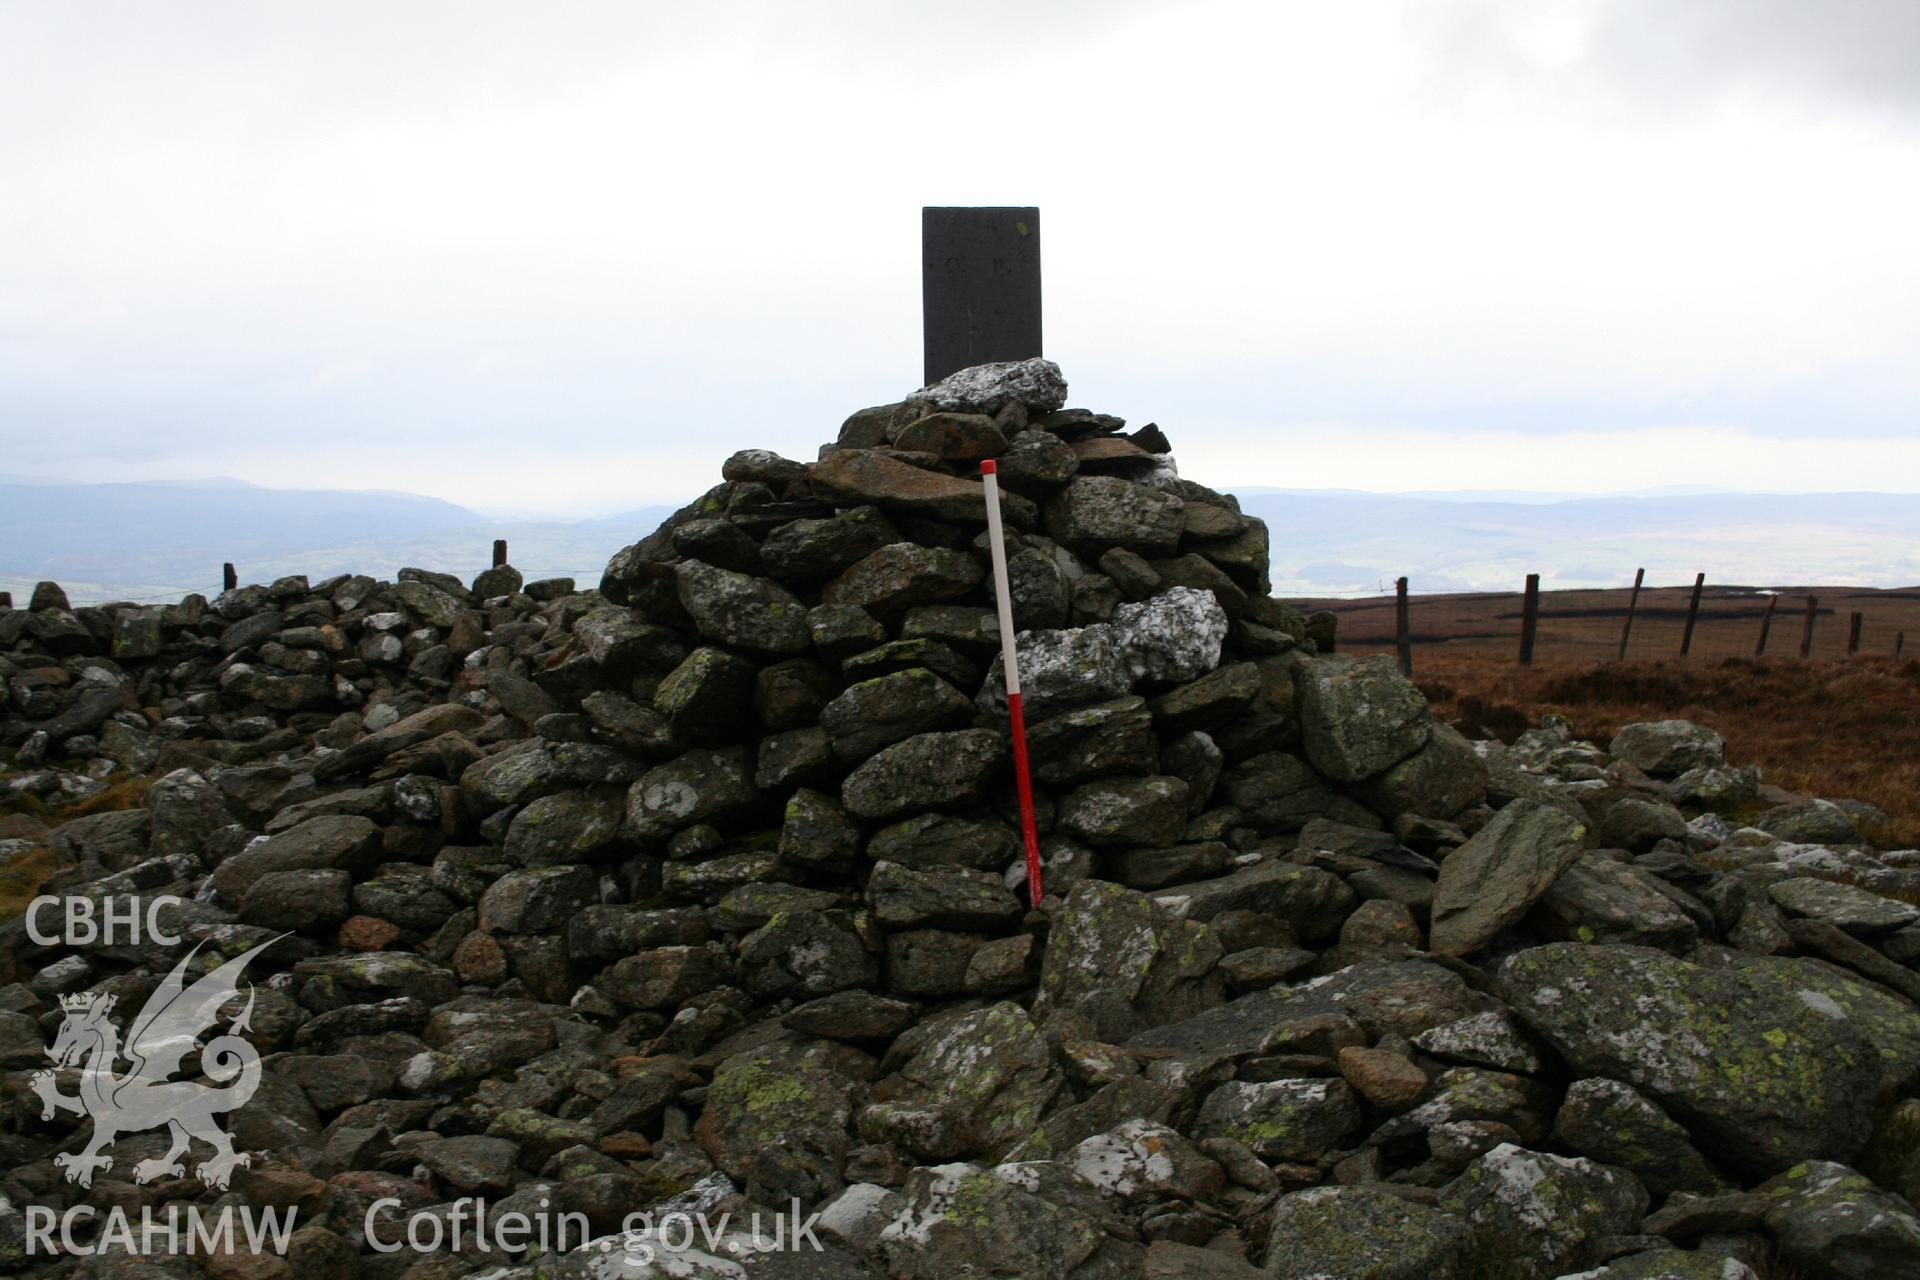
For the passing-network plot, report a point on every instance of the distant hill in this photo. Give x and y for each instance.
(154, 541)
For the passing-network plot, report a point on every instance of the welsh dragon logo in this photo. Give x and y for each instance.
(165, 1031)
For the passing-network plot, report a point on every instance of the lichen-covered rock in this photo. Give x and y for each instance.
(1672, 1264)
(1094, 741)
(963, 1222)
(988, 388)
(1834, 1223)
(877, 713)
(1438, 781)
(1359, 718)
(1599, 900)
(804, 954)
(1551, 1210)
(1888, 1022)
(927, 771)
(904, 574)
(1295, 1119)
(1142, 1162)
(1112, 944)
(1668, 748)
(1492, 1039)
(1762, 1072)
(1060, 669)
(942, 897)
(1313, 901)
(776, 1118)
(970, 1084)
(805, 552)
(1281, 792)
(861, 476)
(754, 614)
(1846, 906)
(697, 786)
(1132, 811)
(1093, 513)
(1175, 636)
(1489, 882)
(1611, 1122)
(1360, 1233)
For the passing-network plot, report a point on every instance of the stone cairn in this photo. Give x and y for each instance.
(701, 891)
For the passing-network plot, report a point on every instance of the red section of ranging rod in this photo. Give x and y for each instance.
(1018, 727)
(1010, 663)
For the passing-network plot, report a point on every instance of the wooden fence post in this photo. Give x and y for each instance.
(228, 577)
(1402, 642)
(1530, 620)
(1899, 643)
(1633, 604)
(499, 552)
(1806, 634)
(1766, 625)
(6, 599)
(1853, 633)
(1693, 615)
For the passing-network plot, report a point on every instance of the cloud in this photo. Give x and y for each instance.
(585, 250)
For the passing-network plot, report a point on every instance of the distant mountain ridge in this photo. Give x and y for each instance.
(162, 539)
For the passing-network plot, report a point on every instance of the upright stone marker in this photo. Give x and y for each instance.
(979, 286)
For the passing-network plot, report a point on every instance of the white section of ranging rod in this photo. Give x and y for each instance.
(1002, 594)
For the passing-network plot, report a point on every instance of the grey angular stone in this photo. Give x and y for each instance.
(942, 897)
(1059, 669)
(806, 954)
(1832, 1221)
(1359, 1233)
(754, 614)
(988, 388)
(697, 786)
(1280, 792)
(1439, 780)
(1110, 943)
(1613, 1123)
(903, 574)
(1359, 718)
(946, 840)
(877, 713)
(706, 698)
(1299, 1119)
(1846, 906)
(969, 1084)
(1761, 1072)
(1667, 748)
(1489, 882)
(1126, 811)
(777, 1117)
(1549, 1210)
(813, 551)
(1094, 513)
(927, 771)
(1600, 900)
(1173, 637)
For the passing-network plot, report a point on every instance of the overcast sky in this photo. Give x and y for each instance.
(564, 256)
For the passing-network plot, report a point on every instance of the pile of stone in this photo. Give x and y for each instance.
(702, 892)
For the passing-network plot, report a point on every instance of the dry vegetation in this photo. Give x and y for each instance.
(22, 875)
(1846, 729)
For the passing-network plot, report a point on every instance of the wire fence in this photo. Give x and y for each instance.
(1651, 622)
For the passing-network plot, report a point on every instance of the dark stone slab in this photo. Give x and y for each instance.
(979, 286)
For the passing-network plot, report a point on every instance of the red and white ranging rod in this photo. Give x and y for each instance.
(1010, 660)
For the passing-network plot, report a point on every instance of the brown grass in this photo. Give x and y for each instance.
(1847, 729)
(22, 878)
